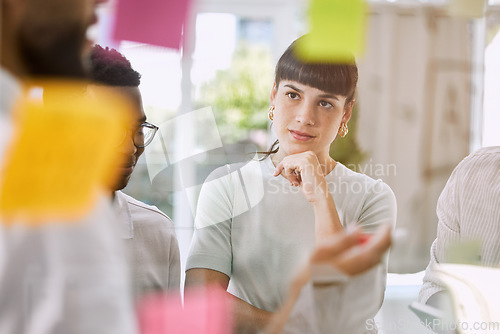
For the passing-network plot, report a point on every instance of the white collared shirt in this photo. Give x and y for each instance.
(151, 245)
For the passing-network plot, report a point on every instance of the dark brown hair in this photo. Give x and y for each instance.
(332, 77)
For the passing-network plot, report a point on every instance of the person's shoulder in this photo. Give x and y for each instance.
(223, 170)
(360, 184)
(232, 169)
(150, 211)
(7, 79)
(491, 153)
(346, 173)
(478, 161)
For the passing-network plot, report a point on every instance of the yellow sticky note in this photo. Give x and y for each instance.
(467, 8)
(63, 153)
(336, 31)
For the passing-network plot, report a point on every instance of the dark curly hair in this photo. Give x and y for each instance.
(110, 67)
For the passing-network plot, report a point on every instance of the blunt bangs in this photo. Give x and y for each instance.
(334, 78)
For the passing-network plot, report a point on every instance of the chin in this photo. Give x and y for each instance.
(122, 183)
(295, 149)
(120, 187)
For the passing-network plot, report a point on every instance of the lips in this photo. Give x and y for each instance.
(127, 168)
(302, 136)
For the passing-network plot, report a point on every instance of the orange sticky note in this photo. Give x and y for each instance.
(336, 31)
(63, 153)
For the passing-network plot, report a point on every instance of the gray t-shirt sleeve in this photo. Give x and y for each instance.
(379, 207)
(211, 244)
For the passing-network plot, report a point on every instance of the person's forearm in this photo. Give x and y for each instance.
(248, 318)
(278, 319)
(327, 221)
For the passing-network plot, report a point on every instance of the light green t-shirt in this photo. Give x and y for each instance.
(258, 229)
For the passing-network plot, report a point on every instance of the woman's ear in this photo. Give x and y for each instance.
(348, 112)
(272, 96)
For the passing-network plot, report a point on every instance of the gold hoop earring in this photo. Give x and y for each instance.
(343, 130)
(270, 112)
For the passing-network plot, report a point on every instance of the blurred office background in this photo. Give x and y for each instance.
(428, 95)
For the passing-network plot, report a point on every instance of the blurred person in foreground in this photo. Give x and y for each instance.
(259, 224)
(468, 210)
(149, 234)
(60, 276)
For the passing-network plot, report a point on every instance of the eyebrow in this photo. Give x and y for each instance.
(294, 88)
(142, 119)
(329, 96)
(324, 96)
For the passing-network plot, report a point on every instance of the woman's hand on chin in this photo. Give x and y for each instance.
(304, 170)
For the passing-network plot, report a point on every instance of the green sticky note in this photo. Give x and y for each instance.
(336, 31)
(467, 8)
(464, 252)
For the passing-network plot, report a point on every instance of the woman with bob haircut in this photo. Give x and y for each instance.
(297, 238)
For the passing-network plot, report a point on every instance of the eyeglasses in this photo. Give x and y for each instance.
(143, 135)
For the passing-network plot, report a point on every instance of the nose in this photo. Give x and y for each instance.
(305, 115)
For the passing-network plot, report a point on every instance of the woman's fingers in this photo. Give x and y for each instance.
(293, 175)
(303, 170)
(363, 257)
(291, 172)
(278, 169)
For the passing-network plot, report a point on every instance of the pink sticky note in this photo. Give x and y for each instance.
(157, 22)
(206, 311)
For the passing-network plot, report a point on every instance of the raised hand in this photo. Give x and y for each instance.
(350, 253)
